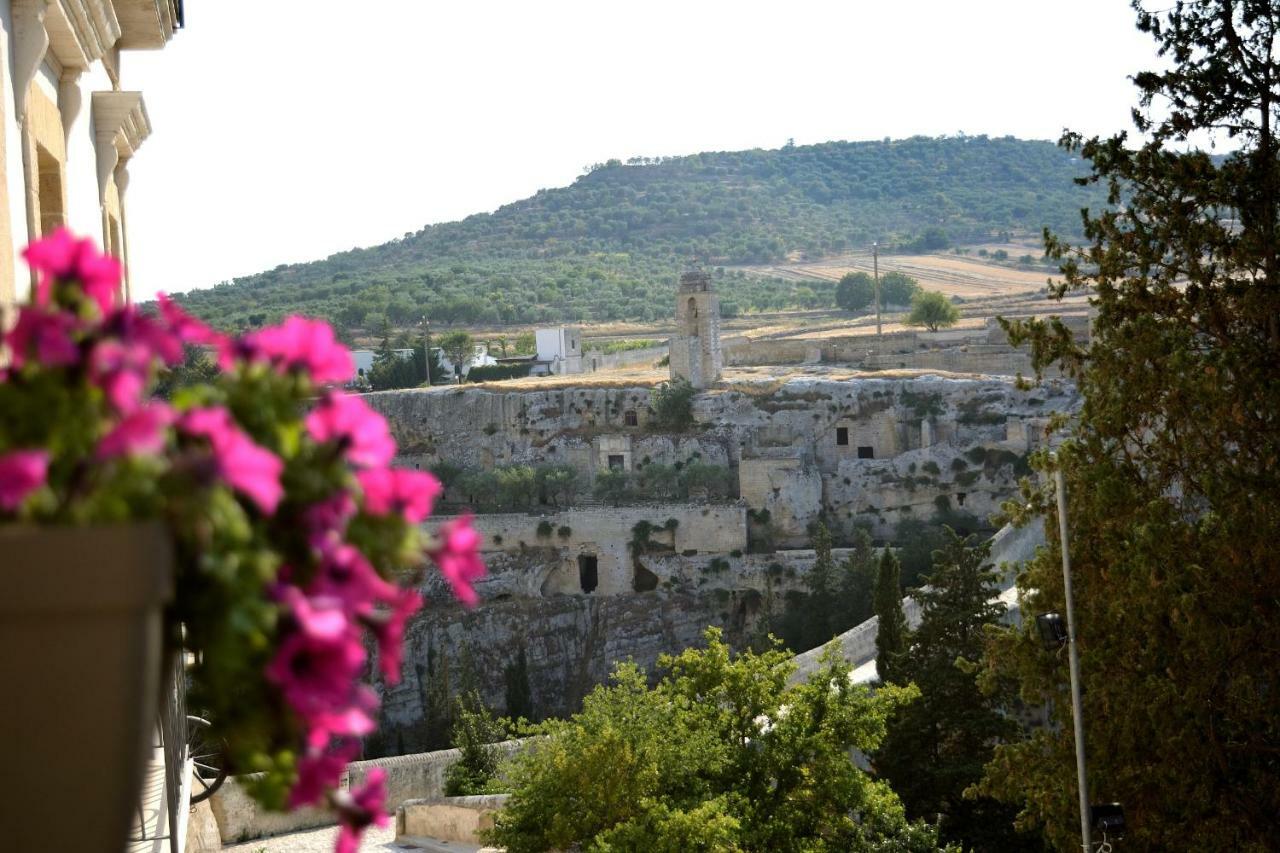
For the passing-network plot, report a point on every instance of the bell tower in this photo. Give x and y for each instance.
(695, 347)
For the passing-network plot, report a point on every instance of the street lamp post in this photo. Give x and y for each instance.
(1073, 657)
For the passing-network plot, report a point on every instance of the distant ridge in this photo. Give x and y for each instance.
(607, 246)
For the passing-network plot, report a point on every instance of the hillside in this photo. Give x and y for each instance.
(608, 246)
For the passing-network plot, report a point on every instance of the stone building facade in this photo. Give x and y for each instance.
(69, 126)
(695, 346)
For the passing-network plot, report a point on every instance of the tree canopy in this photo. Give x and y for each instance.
(937, 746)
(931, 309)
(722, 755)
(855, 291)
(1174, 502)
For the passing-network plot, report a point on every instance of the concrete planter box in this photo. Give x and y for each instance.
(80, 649)
(459, 819)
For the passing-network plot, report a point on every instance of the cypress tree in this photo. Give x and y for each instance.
(821, 589)
(936, 746)
(891, 634)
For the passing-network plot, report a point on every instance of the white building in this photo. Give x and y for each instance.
(364, 358)
(561, 348)
(479, 358)
(69, 124)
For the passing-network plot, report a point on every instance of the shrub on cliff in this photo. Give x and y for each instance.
(673, 406)
(709, 760)
(474, 733)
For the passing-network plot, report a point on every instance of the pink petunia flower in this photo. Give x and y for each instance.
(388, 626)
(349, 422)
(319, 618)
(140, 432)
(362, 807)
(61, 257)
(249, 468)
(321, 771)
(188, 329)
(458, 558)
(302, 344)
(354, 719)
(49, 335)
(145, 333)
(121, 370)
(346, 575)
(21, 473)
(315, 673)
(326, 521)
(396, 490)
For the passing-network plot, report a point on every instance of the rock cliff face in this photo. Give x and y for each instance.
(571, 592)
(554, 649)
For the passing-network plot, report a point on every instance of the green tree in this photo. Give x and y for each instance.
(525, 344)
(714, 480)
(473, 734)
(931, 309)
(897, 288)
(612, 487)
(936, 747)
(891, 632)
(722, 755)
(1174, 502)
(855, 585)
(821, 583)
(197, 368)
(392, 369)
(557, 483)
(518, 693)
(855, 291)
(457, 347)
(673, 406)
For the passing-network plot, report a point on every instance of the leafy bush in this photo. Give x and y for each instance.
(855, 291)
(496, 372)
(612, 487)
(474, 732)
(673, 406)
(692, 764)
(932, 310)
(897, 288)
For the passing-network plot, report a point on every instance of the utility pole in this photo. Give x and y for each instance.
(875, 266)
(426, 348)
(1073, 657)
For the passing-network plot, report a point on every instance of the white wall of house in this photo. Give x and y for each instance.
(561, 347)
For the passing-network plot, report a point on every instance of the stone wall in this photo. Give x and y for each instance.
(409, 777)
(594, 359)
(605, 534)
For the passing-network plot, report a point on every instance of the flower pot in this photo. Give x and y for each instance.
(80, 648)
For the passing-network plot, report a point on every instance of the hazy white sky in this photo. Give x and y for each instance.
(286, 130)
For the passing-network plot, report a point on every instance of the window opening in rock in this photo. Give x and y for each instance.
(842, 436)
(630, 417)
(615, 462)
(960, 496)
(866, 452)
(588, 572)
